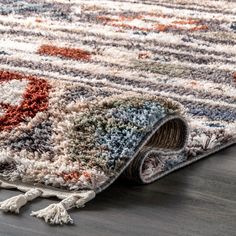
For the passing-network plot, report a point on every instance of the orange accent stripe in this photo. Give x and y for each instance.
(161, 27)
(186, 22)
(71, 176)
(200, 27)
(73, 53)
(122, 22)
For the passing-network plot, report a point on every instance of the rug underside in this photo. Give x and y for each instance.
(94, 90)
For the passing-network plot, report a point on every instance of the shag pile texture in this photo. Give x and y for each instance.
(90, 90)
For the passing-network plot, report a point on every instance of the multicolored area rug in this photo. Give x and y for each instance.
(91, 90)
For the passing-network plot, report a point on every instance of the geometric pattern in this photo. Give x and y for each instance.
(90, 90)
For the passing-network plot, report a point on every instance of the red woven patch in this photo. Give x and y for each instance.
(73, 53)
(34, 100)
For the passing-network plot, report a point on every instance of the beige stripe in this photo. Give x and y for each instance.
(124, 73)
(73, 42)
(56, 75)
(163, 38)
(136, 7)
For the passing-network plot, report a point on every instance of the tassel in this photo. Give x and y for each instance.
(54, 214)
(15, 203)
(57, 213)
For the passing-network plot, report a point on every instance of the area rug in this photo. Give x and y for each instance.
(94, 90)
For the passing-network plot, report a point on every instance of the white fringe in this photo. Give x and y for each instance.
(54, 214)
(15, 203)
(57, 213)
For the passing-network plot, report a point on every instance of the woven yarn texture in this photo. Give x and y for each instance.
(93, 90)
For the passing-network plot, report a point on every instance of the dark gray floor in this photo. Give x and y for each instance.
(197, 200)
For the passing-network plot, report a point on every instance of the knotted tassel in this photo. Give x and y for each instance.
(57, 213)
(15, 203)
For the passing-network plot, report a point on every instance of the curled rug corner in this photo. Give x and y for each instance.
(95, 90)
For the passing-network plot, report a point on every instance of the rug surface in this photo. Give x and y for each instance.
(91, 90)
